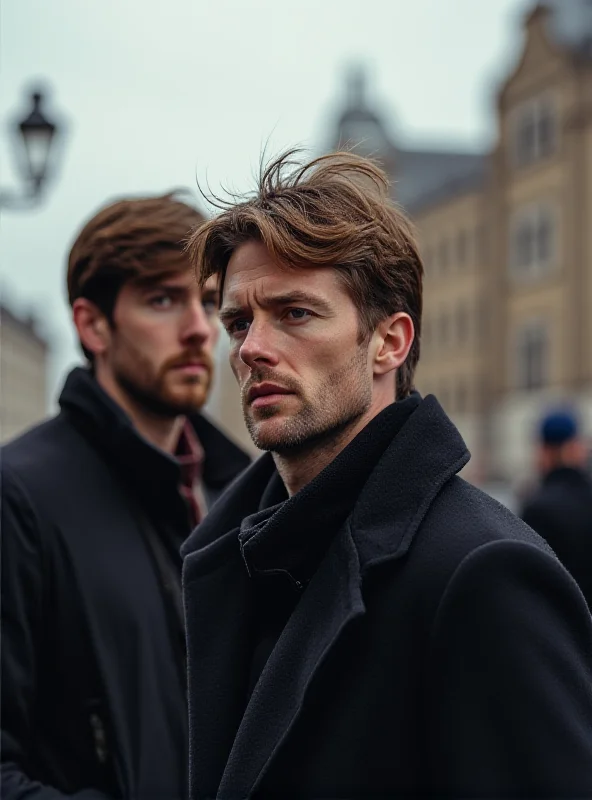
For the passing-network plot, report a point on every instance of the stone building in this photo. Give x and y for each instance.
(224, 403)
(507, 242)
(23, 375)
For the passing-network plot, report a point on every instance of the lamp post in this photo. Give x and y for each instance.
(35, 143)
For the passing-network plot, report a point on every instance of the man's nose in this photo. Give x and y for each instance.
(257, 348)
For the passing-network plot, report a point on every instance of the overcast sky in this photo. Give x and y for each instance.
(157, 93)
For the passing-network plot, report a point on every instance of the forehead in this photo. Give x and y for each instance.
(251, 269)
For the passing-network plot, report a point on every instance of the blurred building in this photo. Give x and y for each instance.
(23, 375)
(224, 402)
(507, 242)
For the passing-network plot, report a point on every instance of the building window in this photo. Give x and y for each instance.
(462, 242)
(480, 244)
(461, 401)
(532, 242)
(444, 255)
(443, 325)
(535, 131)
(462, 324)
(533, 356)
(482, 320)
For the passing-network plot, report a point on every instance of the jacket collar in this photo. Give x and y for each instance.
(291, 538)
(568, 476)
(425, 454)
(230, 750)
(152, 471)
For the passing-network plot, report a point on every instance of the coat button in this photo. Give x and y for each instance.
(98, 730)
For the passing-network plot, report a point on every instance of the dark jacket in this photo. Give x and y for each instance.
(440, 649)
(93, 662)
(561, 512)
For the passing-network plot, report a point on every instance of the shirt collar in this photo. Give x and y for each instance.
(190, 456)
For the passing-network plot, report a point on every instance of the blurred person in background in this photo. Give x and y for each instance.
(361, 622)
(560, 509)
(95, 505)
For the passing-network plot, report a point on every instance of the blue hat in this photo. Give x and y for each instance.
(558, 427)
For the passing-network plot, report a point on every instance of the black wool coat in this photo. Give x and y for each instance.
(440, 649)
(93, 661)
(561, 512)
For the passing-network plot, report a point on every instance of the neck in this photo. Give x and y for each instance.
(162, 432)
(301, 466)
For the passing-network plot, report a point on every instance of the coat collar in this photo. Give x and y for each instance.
(231, 750)
(425, 454)
(292, 538)
(568, 476)
(152, 471)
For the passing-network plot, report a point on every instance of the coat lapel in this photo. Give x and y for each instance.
(218, 657)
(331, 601)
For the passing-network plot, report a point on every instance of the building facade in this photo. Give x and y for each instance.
(506, 238)
(23, 375)
(540, 211)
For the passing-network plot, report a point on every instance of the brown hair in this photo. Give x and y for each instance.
(332, 212)
(131, 239)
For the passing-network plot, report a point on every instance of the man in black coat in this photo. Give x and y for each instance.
(560, 510)
(361, 622)
(95, 505)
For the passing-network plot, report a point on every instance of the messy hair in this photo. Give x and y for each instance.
(131, 239)
(134, 239)
(334, 211)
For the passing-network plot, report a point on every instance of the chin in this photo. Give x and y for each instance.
(269, 434)
(187, 402)
(187, 393)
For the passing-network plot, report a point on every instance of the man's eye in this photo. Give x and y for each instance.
(238, 326)
(298, 313)
(210, 306)
(161, 301)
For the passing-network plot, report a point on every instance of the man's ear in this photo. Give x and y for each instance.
(93, 327)
(393, 339)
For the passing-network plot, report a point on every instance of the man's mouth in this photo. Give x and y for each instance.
(263, 394)
(192, 367)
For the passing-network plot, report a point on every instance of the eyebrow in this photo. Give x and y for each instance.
(162, 284)
(288, 299)
(165, 285)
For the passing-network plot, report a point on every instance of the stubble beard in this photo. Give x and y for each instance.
(154, 397)
(340, 401)
(135, 376)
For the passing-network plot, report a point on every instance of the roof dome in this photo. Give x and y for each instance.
(570, 22)
(359, 127)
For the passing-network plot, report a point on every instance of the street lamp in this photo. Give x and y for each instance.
(35, 137)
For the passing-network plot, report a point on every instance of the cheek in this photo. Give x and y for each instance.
(153, 343)
(161, 334)
(323, 356)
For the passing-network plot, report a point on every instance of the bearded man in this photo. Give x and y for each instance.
(361, 622)
(96, 504)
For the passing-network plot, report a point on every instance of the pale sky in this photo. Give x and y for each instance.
(157, 93)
